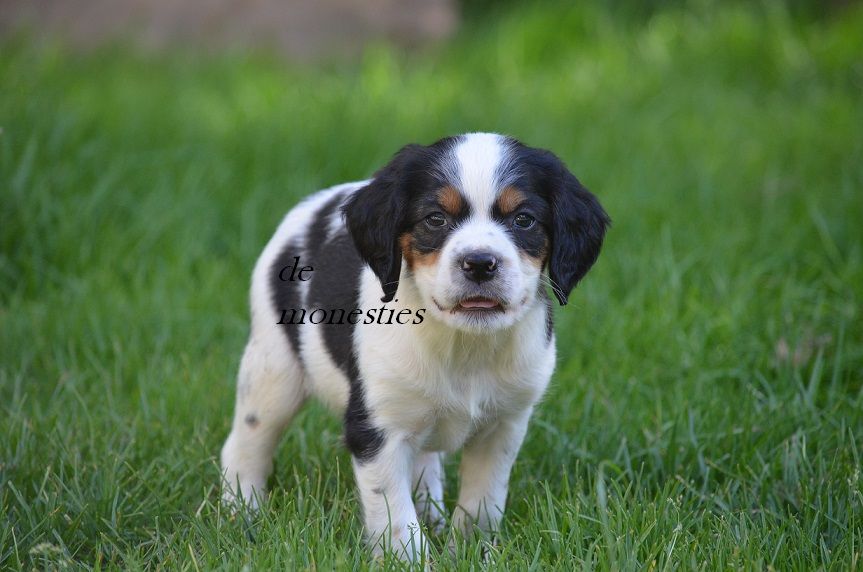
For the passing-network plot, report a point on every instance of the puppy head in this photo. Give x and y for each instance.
(481, 222)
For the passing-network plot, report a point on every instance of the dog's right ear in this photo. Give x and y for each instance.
(376, 215)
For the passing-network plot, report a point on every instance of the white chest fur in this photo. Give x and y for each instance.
(437, 386)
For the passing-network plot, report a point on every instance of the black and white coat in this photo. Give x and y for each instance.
(466, 235)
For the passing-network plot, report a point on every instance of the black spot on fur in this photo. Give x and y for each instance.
(362, 438)
(286, 294)
(252, 420)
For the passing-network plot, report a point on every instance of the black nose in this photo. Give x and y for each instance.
(479, 266)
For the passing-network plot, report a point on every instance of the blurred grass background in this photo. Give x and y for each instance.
(706, 412)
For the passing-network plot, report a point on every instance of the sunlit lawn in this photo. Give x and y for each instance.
(706, 411)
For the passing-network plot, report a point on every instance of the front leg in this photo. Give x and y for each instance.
(428, 489)
(486, 462)
(384, 483)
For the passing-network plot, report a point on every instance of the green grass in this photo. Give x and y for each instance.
(706, 411)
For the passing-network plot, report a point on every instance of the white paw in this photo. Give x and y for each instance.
(408, 543)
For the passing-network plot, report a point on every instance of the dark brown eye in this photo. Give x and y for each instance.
(523, 221)
(436, 219)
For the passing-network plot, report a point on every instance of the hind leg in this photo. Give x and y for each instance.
(270, 390)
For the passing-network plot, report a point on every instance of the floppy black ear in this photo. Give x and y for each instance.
(376, 215)
(578, 222)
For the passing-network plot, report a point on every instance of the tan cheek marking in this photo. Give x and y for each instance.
(510, 199)
(537, 261)
(450, 200)
(406, 242)
(412, 256)
(429, 259)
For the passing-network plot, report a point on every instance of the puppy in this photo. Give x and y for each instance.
(415, 306)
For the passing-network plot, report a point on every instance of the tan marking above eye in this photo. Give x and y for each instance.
(509, 200)
(450, 200)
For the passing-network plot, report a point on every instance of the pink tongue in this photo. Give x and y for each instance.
(478, 303)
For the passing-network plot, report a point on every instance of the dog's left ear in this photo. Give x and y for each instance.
(578, 225)
(376, 214)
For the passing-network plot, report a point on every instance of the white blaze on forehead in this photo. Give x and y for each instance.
(479, 157)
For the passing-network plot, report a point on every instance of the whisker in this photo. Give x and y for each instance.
(558, 291)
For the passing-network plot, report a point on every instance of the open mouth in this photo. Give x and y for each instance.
(478, 304)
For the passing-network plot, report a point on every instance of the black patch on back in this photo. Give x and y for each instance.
(286, 294)
(334, 287)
